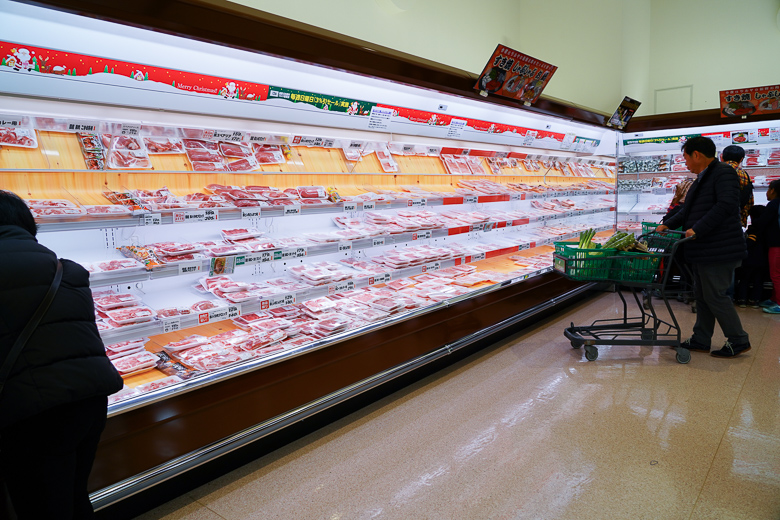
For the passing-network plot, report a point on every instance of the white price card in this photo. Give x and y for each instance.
(515, 196)
(210, 215)
(435, 266)
(278, 300)
(341, 287)
(79, 125)
(380, 278)
(250, 212)
(292, 209)
(477, 227)
(377, 242)
(417, 203)
(477, 257)
(225, 313)
(152, 219)
(345, 246)
(185, 217)
(130, 129)
(471, 199)
(379, 119)
(285, 254)
(235, 136)
(254, 258)
(350, 206)
(509, 223)
(434, 151)
(171, 324)
(368, 206)
(355, 145)
(422, 235)
(194, 266)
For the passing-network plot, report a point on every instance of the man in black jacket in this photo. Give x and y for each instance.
(711, 215)
(53, 405)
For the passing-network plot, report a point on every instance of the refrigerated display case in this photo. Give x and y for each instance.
(650, 165)
(257, 252)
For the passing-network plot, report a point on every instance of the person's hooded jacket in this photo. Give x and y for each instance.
(64, 360)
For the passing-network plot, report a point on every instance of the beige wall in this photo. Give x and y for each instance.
(605, 49)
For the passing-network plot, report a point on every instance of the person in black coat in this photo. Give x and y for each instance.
(751, 274)
(711, 215)
(54, 401)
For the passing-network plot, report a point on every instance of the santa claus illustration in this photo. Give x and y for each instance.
(229, 90)
(21, 59)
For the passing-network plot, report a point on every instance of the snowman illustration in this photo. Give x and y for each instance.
(229, 90)
(20, 59)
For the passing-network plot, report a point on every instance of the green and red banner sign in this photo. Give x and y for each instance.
(750, 101)
(515, 75)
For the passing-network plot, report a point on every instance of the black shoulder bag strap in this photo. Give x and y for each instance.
(16, 349)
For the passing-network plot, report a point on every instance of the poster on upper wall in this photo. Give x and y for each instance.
(623, 113)
(750, 101)
(515, 75)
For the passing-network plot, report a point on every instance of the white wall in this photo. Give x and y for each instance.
(605, 49)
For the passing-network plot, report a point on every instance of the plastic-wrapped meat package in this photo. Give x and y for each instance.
(178, 249)
(50, 203)
(21, 137)
(125, 142)
(106, 210)
(127, 345)
(195, 340)
(320, 304)
(212, 282)
(128, 315)
(202, 166)
(234, 150)
(397, 285)
(57, 212)
(163, 145)
(312, 192)
(114, 301)
(230, 286)
(197, 144)
(247, 319)
(385, 304)
(218, 359)
(260, 244)
(241, 233)
(292, 242)
(205, 305)
(286, 312)
(116, 265)
(271, 324)
(135, 363)
(201, 155)
(128, 159)
(240, 296)
(263, 157)
(160, 383)
(333, 324)
(229, 337)
(224, 250)
(243, 165)
(170, 312)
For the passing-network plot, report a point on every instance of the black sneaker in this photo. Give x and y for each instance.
(692, 345)
(730, 350)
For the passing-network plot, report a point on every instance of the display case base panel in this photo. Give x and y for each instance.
(145, 446)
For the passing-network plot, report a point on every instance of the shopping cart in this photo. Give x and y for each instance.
(680, 283)
(645, 271)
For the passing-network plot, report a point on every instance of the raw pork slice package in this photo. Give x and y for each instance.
(128, 315)
(163, 145)
(135, 362)
(234, 150)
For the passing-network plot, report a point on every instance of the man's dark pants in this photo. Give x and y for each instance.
(711, 283)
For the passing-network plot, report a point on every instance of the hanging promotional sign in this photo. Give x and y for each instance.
(750, 101)
(623, 113)
(515, 75)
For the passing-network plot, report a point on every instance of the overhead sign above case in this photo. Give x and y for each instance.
(515, 75)
(750, 101)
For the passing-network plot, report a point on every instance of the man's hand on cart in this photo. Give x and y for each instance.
(688, 234)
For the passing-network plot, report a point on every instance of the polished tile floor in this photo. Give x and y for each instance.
(528, 429)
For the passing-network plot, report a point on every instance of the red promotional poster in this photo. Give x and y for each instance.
(49, 61)
(750, 101)
(515, 75)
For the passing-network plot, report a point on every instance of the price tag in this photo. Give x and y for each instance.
(380, 278)
(355, 145)
(408, 149)
(515, 196)
(171, 325)
(368, 206)
(350, 206)
(285, 254)
(184, 217)
(74, 125)
(130, 129)
(152, 219)
(471, 199)
(489, 226)
(208, 134)
(210, 215)
(417, 203)
(250, 212)
(435, 266)
(194, 266)
(328, 143)
(345, 246)
(13, 120)
(433, 151)
(230, 135)
(341, 287)
(378, 242)
(294, 209)
(421, 235)
(225, 313)
(509, 223)
(254, 258)
(477, 257)
(477, 227)
(279, 300)
(522, 247)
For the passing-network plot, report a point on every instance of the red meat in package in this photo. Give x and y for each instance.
(199, 166)
(135, 363)
(163, 145)
(128, 159)
(127, 315)
(197, 144)
(243, 165)
(124, 142)
(234, 150)
(194, 340)
(204, 155)
(24, 137)
(114, 301)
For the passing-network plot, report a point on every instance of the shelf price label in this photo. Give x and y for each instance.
(350, 206)
(355, 145)
(254, 258)
(210, 215)
(225, 313)
(421, 235)
(204, 215)
(522, 247)
(509, 223)
(471, 199)
(435, 266)
(368, 206)
(477, 257)
(79, 125)
(194, 266)
(380, 278)
(171, 325)
(285, 254)
(417, 203)
(341, 287)
(477, 227)
(130, 129)
(250, 213)
(345, 246)
(516, 196)
(433, 151)
(235, 136)
(152, 219)
(292, 209)
(378, 242)
(279, 300)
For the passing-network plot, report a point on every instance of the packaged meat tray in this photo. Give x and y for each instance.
(20, 137)
(198, 144)
(50, 203)
(175, 249)
(160, 383)
(116, 354)
(269, 157)
(107, 210)
(271, 324)
(194, 340)
(127, 345)
(163, 145)
(243, 165)
(312, 192)
(124, 393)
(224, 250)
(134, 364)
(320, 304)
(116, 301)
(204, 156)
(125, 142)
(205, 305)
(234, 150)
(128, 159)
(54, 213)
(215, 360)
(241, 233)
(129, 315)
(201, 166)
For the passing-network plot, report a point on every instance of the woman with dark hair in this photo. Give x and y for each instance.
(768, 229)
(54, 373)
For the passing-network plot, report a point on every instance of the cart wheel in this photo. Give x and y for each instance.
(575, 344)
(591, 353)
(683, 356)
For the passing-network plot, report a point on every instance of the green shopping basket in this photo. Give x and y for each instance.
(583, 264)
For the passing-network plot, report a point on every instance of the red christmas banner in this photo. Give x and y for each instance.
(49, 61)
